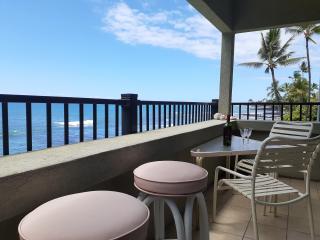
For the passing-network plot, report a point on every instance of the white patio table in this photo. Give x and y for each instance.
(215, 148)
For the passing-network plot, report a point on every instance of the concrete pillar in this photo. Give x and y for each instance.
(226, 72)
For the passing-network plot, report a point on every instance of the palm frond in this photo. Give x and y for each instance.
(311, 40)
(290, 61)
(252, 64)
(284, 48)
(274, 41)
(263, 51)
(284, 57)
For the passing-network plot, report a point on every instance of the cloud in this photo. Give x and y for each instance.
(166, 29)
(185, 30)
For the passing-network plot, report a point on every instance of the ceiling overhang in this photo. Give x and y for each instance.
(251, 15)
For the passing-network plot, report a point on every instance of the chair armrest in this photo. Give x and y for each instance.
(232, 172)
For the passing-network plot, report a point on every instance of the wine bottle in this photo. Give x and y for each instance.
(227, 132)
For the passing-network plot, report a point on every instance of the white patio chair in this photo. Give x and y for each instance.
(279, 128)
(299, 130)
(277, 153)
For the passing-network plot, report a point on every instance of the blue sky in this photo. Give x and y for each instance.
(162, 50)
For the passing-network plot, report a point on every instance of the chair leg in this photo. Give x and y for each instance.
(175, 212)
(228, 165)
(270, 200)
(236, 160)
(177, 219)
(156, 213)
(215, 194)
(188, 217)
(254, 218)
(265, 206)
(161, 219)
(275, 209)
(204, 221)
(310, 218)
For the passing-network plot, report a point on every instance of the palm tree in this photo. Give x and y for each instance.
(303, 67)
(274, 90)
(272, 55)
(308, 30)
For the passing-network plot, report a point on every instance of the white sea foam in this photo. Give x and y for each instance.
(86, 123)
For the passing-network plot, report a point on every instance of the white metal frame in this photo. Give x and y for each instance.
(300, 130)
(183, 225)
(298, 155)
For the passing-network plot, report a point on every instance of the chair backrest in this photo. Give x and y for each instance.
(292, 129)
(290, 154)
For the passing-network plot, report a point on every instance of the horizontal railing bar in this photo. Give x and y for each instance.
(275, 103)
(171, 102)
(51, 99)
(77, 100)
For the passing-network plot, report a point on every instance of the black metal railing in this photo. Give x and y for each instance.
(162, 114)
(49, 101)
(128, 115)
(275, 111)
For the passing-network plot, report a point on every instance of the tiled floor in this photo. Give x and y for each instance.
(234, 217)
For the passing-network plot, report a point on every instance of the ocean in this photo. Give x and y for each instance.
(17, 125)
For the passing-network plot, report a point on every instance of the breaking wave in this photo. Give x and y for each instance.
(86, 123)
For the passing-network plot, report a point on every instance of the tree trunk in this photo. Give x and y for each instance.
(275, 86)
(309, 70)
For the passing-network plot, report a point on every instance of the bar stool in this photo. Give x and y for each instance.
(160, 182)
(97, 215)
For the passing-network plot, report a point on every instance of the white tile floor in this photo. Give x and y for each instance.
(234, 217)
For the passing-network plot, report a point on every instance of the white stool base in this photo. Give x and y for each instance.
(183, 226)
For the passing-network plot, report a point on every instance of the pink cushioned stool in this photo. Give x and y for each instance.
(161, 181)
(97, 215)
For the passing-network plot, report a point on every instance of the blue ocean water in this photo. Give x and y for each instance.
(17, 125)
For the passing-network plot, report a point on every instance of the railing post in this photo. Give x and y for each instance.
(129, 113)
(214, 107)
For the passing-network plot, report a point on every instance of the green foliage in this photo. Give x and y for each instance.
(296, 91)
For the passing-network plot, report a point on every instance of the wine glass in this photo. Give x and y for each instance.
(248, 133)
(243, 134)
